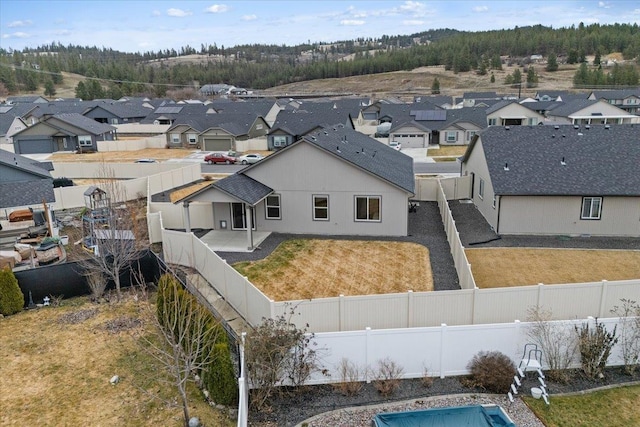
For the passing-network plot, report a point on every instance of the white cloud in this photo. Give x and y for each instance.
(16, 35)
(481, 9)
(249, 17)
(351, 22)
(413, 22)
(179, 13)
(156, 13)
(16, 24)
(604, 5)
(414, 7)
(636, 12)
(62, 33)
(217, 8)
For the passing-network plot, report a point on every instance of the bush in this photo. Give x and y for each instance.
(219, 378)
(492, 371)
(350, 382)
(595, 347)
(387, 377)
(11, 297)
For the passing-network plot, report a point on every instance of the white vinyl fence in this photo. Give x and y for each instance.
(435, 351)
(405, 310)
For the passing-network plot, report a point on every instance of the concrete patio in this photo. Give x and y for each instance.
(233, 241)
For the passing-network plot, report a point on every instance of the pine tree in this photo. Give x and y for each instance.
(552, 62)
(532, 77)
(49, 88)
(435, 86)
(493, 78)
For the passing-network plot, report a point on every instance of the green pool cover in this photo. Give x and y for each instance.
(458, 416)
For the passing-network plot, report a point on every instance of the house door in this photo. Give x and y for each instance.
(62, 143)
(239, 217)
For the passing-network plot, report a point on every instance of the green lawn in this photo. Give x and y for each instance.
(616, 407)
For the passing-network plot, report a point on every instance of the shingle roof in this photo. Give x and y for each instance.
(367, 154)
(85, 123)
(616, 93)
(300, 122)
(24, 192)
(600, 160)
(243, 188)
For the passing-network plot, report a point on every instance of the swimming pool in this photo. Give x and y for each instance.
(455, 416)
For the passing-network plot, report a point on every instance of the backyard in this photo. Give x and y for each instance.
(57, 363)
(505, 267)
(317, 268)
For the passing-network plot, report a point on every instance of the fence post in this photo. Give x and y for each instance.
(603, 297)
(518, 340)
(367, 337)
(409, 309)
(443, 332)
(341, 312)
(473, 305)
(540, 288)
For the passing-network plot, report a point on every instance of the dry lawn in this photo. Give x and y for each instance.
(503, 267)
(452, 151)
(57, 362)
(186, 191)
(122, 156)
(305, 269)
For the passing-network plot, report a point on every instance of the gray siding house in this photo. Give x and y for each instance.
(62, 132)
(24, 182)
(334, 182)
(557, 180)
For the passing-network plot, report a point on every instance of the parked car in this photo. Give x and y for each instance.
(249, 159)
(215, 158)
(146, 161)
(395, 145)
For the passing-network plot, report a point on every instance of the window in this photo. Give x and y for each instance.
(321, 208)
(272, 207)
(492, 122)
(451, 136)
(258, 127)
(591, 208)
(84, 140)
(114, 120)
(531, 121)
(367, 208)
(493, 203)
(471, 134)
(279, 141)
(175, 138)
(192, 138)
(481, 189)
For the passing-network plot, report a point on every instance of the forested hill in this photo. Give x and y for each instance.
(263, 66)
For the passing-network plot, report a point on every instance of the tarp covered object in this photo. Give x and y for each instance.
(458, 416)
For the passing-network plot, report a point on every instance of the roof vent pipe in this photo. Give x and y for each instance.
(556, 127)
(562, 162)
(607, 127)
(506, 166)
(587, 127)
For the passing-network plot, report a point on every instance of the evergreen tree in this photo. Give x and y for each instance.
(597, 60)
(581, 78)
(532, 77)
(435, 86)
(552, 62)
(493, 78)
(81, 91)
(49, 88)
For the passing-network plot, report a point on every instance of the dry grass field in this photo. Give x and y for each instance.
(304, 269)
(122, 156)
(56, 364)
(503, 267)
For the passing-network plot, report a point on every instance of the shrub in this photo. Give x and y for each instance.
(350, 382)
(595, 347)
(219, 378)
(11, 297)
(492, 371)
(629, 314)
(387, 376)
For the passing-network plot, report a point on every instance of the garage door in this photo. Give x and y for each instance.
(34, 146)
(217, 144)
(410, 140)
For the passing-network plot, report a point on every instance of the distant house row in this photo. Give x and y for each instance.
(33, 124)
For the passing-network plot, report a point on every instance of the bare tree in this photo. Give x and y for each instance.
(629, 313)
(111, 229)
(188, 334)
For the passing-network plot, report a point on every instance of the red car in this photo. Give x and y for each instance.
(215, 158)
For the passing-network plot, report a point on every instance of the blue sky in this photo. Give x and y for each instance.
(148, 25)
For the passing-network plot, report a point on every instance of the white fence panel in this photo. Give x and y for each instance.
(322, 314)
(375, 311)
(154, 226)
(503, 304)
(200, 214)
(572, 300)
(90, 170)
(456, 188)
(255, 144)
(426, 189)
(614, 292)
(177, 247)
(450, 307)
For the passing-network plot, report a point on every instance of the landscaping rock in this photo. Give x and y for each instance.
(114, 380)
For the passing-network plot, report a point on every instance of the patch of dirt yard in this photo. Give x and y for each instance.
(56, 363)
(503, 267)
(122, 156)
(304, 269)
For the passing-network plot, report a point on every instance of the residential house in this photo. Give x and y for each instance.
(591, 112)
(557, 180)
(115, 113)
(27, 99)
(626, 99)
(460, 126)
(511, 113)
(266, 108)
(215, 132)
(167, 113)
(62, 132)
(334, 182)
(11, 122)
(25, 182)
